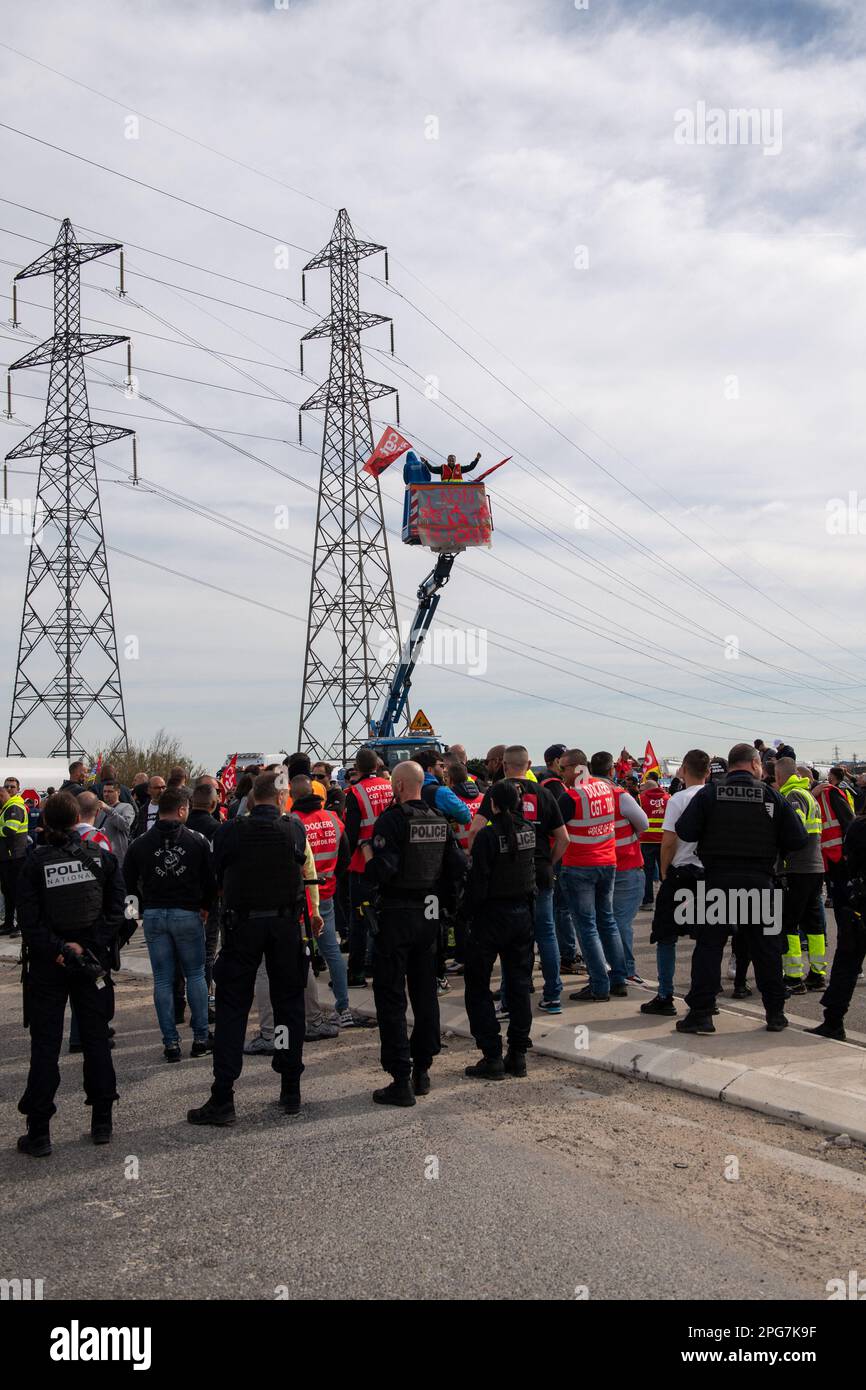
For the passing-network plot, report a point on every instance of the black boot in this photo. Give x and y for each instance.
(290, 1095)
(398, 1093)
(420, 1081)
(213, 1113)
(488, 1069)
(37, 1141)
(100, 1122)
(827, 1029)
(515, 1062)
(696, 1023)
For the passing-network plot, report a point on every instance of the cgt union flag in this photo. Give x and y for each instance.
(230, 776)
(390, 447)
(650, 763)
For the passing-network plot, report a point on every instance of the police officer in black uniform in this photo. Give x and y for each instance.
(499, 899)
(71, 912)
(414, 867)
(258, 859)
(742, 827)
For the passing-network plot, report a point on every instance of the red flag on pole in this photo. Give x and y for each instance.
(650, 763)
(482, 476)
(390, 447)
(230, 776)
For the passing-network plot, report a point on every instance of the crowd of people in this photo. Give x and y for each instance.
(412, 879)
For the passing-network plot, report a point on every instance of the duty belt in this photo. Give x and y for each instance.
(268, 912)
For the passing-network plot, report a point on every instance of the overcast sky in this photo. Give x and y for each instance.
(658, 311)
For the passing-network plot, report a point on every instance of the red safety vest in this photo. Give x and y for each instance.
(461, 832)
(94, 836)
(373, 795)
(591, 828)
(628, 855)
(452, 473)
(653, 803)
(831, 829)
(324, 829)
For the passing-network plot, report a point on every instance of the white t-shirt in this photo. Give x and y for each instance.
(152, 814)
(686, 851)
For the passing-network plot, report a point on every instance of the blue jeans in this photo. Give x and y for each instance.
(175, 932)
(589, 892)
(565, 932)
(333, 957)
(652, 870)
(627, 893)
(548, 946)
(666, 964)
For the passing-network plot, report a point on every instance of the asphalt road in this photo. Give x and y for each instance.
(533, 1189)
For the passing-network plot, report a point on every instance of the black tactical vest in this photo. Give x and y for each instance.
(740, 827)
(423, 850)
(72, 881)
(514, 878)
(264, 871)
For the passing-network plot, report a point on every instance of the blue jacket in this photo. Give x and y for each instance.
(447, 801)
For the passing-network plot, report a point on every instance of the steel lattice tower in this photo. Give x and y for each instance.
(352, 628)
(67, 656)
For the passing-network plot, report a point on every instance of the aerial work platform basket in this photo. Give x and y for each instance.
(448, 517)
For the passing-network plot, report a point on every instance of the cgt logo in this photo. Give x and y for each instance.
(77, 1343)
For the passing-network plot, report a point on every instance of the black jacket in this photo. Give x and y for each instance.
(170, 866)
(204, 823)
(74, 787)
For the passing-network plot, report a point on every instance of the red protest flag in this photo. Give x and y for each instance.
(230, 775)
(390, 447)
(482, 476)
(650, 763)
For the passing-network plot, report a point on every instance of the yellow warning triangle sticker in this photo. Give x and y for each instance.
(420, 724)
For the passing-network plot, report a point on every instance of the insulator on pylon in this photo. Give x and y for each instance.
(303, 288)
(8, 395)
(300, 428)
(302, 358)
(397, 394)
(386, 267)
(134, 461)
(392, 337)
(15, 323)
(5, 482)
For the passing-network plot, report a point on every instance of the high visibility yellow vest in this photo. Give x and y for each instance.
(811, 817)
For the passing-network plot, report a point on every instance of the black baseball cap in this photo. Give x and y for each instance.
(555, 750)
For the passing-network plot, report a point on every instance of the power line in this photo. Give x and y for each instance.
(125, 106)
(152, 187)
(250, 533)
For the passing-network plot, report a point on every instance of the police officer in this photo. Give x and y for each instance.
(500, 901)
(71, 911)
(413, 869)
(14, 841)
(257, 860)
(741, 827)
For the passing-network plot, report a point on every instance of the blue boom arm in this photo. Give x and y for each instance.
(428, 602)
